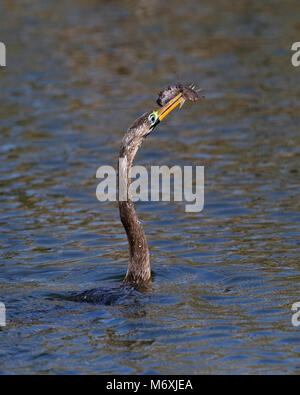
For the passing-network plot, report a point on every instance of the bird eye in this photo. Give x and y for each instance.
(153, 118)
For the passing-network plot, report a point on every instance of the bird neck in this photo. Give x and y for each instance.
(139, 271)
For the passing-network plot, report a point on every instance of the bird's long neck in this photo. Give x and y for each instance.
(138, 271)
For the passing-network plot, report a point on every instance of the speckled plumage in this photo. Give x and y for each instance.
(139, 271)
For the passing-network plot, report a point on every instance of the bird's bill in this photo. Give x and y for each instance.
(169, 106)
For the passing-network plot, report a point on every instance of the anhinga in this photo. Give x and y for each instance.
(139, 272)
(138, 276)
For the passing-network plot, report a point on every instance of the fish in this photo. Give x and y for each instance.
(188, 93)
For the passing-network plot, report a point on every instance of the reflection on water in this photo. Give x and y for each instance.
(224, 279)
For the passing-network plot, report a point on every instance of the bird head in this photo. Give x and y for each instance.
(156, 116)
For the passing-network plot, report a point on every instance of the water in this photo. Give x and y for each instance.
(78, 73)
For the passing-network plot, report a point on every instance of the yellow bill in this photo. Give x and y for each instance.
(169, 106)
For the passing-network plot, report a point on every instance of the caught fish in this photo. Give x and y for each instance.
(171, 91)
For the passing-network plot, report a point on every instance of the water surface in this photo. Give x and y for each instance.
(78, 73)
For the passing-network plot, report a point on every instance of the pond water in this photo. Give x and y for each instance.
(78, 73)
